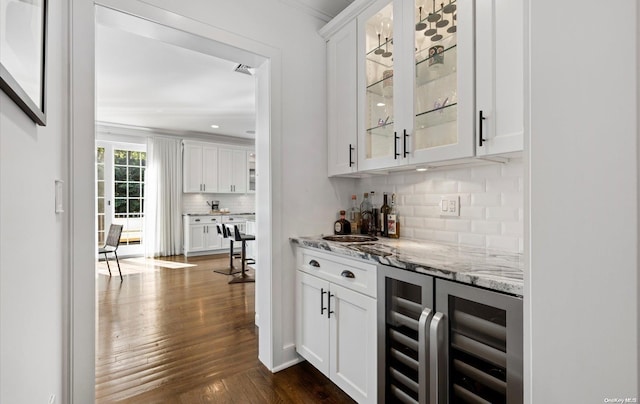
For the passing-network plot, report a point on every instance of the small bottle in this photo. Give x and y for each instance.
(365, 214)
(374, 228)
(354, 215)
(384, 213)
(393, 219)
(342, 225)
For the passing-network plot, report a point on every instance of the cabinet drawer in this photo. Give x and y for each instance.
(204, 219)
(351, 274)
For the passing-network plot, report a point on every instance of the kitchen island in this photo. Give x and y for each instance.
(492, 269)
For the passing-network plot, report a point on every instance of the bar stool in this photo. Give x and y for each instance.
(244, 277)
(223, 233)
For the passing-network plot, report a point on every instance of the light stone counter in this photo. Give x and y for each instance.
(496, 270)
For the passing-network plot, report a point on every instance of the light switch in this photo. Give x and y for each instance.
(450, 205)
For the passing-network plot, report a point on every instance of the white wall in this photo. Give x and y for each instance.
(491, 204)
(583, 197)
(32, 235)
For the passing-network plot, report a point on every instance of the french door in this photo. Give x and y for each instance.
(120, 173)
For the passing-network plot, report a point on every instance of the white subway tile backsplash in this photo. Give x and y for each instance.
(510, 184)
(472, 186)
(472, 212)
(238, 203)
(481, 227)
(458, 225)
(436, 224)
(486, 199)
(491, 204)
(475, 240)
(503, 243)
(502, 214)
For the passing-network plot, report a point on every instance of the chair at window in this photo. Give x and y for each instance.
(111, 246)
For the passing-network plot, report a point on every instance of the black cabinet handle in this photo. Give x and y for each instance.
(322, 308)
(329, 311)
(406, 135)
(347, 274)
(350, 158)
(314, 263)
(395, 146)
(197, 220)
(481, 137)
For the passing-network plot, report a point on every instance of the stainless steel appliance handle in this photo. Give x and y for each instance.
(423, 352)
(439, 353)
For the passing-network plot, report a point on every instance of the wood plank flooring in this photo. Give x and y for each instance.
(184, 335)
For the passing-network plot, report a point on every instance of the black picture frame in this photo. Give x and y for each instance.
(22, 78)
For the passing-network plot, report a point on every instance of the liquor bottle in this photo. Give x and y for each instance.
(365, 214)
(342, 225)
(354, 215)
(384, 212)
(393, 219)
(374, 227)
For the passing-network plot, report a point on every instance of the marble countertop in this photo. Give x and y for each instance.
(497, 270)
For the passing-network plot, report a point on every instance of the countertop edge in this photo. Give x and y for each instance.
(481, 278)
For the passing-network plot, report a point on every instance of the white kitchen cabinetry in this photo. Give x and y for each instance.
(232, 170)
(342, 95)
(419, 99)
(415, 93)
(336, 321)
(200, 167)
(201, 234)
(500, 76)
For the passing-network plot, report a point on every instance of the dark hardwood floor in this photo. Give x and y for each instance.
(186, 336)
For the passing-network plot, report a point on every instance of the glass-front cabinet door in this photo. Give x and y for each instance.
(378, 147)
(416, 94)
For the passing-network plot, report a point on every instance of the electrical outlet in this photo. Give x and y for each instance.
(450, 205)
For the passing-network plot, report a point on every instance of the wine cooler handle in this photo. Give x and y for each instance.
(347, 274)
(351, 149)
(481, 136)
(314, 263)
(439, 353)
(423, 352)
(322, 308)
(395, 146)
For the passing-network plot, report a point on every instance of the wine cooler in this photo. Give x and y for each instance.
(443, 342)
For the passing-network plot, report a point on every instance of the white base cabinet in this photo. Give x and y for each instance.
(336, 323)
(201, 234)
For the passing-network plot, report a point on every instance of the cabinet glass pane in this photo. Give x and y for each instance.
(379, 115)
(436, 83)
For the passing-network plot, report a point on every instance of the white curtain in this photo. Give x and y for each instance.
(163, 197)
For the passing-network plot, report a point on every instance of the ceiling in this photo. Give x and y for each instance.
(147, 79)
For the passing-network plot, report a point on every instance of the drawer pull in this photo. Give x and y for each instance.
(314, 263)
(347, 274)
(197, 220)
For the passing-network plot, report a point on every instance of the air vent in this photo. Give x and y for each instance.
(243, 69)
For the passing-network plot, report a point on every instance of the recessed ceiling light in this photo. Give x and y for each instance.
(421, 168)
(215, 126)
(381, 104)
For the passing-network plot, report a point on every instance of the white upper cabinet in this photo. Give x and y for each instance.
(342, 95)
(200, 167)
(426, 71)
(232, 170)
(416, 83)
(500, 76)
